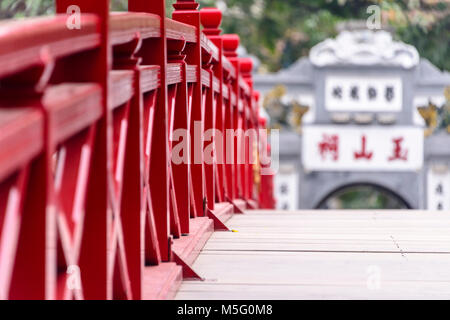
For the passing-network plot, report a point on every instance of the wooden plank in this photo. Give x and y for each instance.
(121, 87)
(174, 75)
(125, 25)
(326, 255)
(149, 78)
(189, 246)
(191, 73)
(209, 47)
(180, 31)
(72, 107)
(24, 42)
(205, 78)
(161, 282)
(21, 138)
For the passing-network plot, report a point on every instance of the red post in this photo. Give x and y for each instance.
(209, 126)
(181, 171)
(186, 12)
(211, 19)
(246, 65)
(230, 45)
(93, 259)
(28, 255)
(255, 182)
(159, 167)
(132, 214)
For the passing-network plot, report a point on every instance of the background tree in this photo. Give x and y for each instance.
(24, 8)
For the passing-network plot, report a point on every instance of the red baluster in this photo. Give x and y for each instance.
(186, 12)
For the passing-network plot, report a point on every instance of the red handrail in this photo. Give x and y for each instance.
(91, 201)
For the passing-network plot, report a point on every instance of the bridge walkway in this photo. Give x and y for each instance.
(326, 255)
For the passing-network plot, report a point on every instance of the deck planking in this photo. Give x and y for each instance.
(326, 255)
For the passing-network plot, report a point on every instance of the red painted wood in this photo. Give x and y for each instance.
(155, 53)
(209, 142)
(131, 168)
(22, 44)
(94, 248)
(28, 236)
(89, 193)
(211, 19)
(181, 169)
(186, 12)
(231, 43)
(246, 67)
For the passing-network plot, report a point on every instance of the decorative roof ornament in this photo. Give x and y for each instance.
(364, 48)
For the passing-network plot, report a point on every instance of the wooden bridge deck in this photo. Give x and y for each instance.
(326, 255)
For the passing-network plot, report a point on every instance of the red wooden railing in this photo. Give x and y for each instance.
(91, 204)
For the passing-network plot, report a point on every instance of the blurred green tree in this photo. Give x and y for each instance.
(24, 8)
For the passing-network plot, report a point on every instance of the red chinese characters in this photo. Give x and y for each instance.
(363, 154)
(398, 153)
(329, 145)
(328, 148)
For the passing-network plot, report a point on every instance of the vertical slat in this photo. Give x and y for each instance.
(181, 166)
(93, 257)
(209, 165)
(229, 149)
(33, 282)
(211, 19)
(35, 214)
(246, 65)
(175, 227)
(186, 12)
(231, 43)
(132, 203)
(156, 53)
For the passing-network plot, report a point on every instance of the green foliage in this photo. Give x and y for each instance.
(24, 8)
(279, 32)
(363, 197)
(432, 43)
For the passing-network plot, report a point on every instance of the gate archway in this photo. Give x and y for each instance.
(363, 196)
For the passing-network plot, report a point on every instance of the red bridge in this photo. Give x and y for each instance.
(92, 205)
(117, 166)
